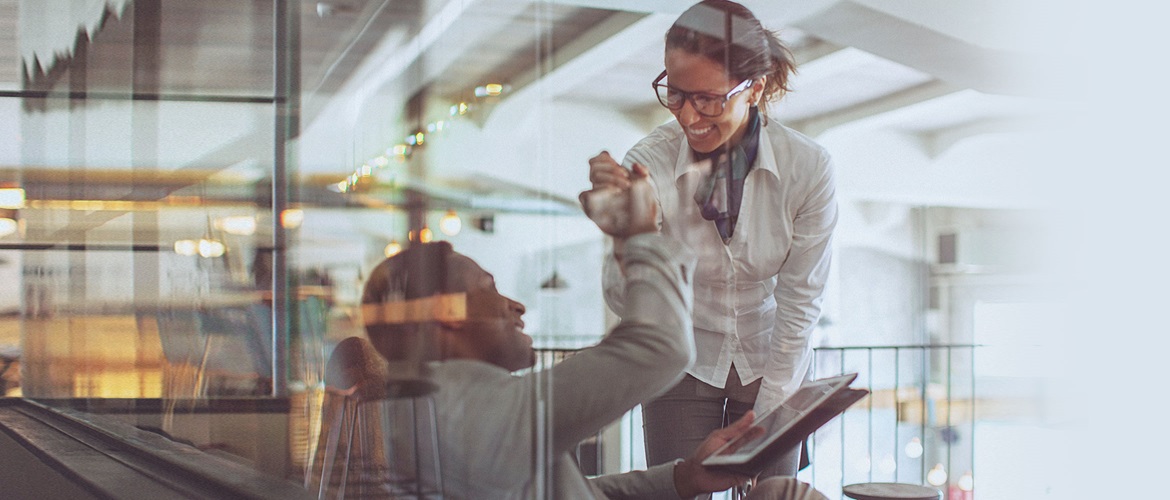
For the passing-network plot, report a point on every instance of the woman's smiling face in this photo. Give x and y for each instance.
(694, 73)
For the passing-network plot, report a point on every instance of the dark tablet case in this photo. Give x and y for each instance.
(804, 425)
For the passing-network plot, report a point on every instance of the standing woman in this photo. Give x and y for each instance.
(755, 200)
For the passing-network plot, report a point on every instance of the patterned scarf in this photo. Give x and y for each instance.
(721, 190)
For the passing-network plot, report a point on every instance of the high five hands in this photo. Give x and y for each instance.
(622, 201)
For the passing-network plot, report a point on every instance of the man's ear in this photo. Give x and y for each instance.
(758, 89)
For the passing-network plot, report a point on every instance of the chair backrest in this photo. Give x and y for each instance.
(372, 444)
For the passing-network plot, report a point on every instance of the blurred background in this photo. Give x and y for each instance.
(193, 193)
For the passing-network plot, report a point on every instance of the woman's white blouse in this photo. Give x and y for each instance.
(758, 298)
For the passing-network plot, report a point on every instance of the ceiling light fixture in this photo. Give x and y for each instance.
(209, 248)
(7, 226)
(967, 482)
(186, 247)
(239, 225)
(292, 218)
(450, 224)
(12, 198)
(392, 249)
(937, 475)
(914, 448)
(489, 90)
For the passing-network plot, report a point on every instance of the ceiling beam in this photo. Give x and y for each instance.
(602, 48)
(673, 7)
(814, 126)
(938, 141)
(398, 63)
(930, 49)
(626, 25)
(814, 49)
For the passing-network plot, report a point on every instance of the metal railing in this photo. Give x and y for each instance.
(917, 425)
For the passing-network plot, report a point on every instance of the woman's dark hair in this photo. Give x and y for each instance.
(729, 34)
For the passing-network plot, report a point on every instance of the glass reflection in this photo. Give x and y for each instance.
(192, 195)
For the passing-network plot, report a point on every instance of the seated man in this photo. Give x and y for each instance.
(431, 303)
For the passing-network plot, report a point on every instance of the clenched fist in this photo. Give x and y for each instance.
(621, 202)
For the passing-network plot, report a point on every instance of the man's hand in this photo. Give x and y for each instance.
(621, 202)
(691, 478)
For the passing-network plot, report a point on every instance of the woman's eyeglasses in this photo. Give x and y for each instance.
(709, 105)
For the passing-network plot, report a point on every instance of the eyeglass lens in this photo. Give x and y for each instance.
(705, 104)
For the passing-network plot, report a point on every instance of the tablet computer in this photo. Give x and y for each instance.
(785, 426)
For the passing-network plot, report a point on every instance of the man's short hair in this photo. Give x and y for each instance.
(408, 278)
(416, 272)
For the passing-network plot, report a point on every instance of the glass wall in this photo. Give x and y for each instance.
(194, 194)
(202, 189)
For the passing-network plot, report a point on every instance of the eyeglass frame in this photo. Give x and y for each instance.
(689, 96)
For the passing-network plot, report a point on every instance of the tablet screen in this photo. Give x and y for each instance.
(776, 422)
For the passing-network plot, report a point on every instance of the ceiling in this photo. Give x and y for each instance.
(858, 58)
(941, 72)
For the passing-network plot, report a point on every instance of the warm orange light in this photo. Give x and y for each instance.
(425, 235)
(292, 218)
(114, 383)
(489, 90)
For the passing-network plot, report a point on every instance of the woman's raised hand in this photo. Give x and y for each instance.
(622, 202)
(605, 172)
